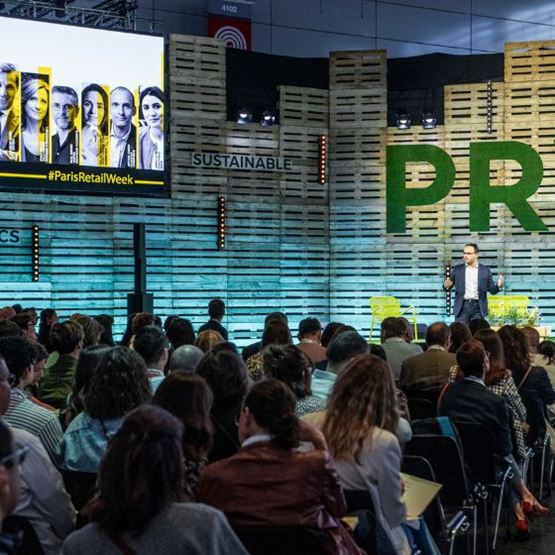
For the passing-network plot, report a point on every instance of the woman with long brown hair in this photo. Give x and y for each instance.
(360, 426)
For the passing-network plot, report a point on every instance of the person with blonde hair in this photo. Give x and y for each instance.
(207, 339)
(360, 426)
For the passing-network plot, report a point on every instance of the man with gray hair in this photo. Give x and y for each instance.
(185, 359)
(9, 119)
(123, 134)
(65, 107)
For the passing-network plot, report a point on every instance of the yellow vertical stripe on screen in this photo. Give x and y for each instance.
(48, 139)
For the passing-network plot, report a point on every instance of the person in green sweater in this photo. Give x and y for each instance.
(66, 339)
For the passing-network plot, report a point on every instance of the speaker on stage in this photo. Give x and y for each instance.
(140, 300)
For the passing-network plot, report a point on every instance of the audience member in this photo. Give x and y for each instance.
(185, 359)
(216, 311)
(459, 334)
(106, 323)
(48, 318)
(276, 332)
(40, 355)
(478, 324)
(142, 319)
(7, 312)
(128, 334)
(118, 385)
(256, 347)
(151, 343)
(360, 427)
(88, 362)
(22, 412)
(270, 433)
(290, 365)
(310, 332)
(470, 400)
(207, 339)
(168, 321)
(92, 330)
(138, 508)
(343, 347)
(532, 382)
(430, 368)
(41, 497)
(10, 460)
(547, 351)
(329, 332)
(66, 340)
(394, 342)
(225, 373)
(188, 397)
(180, 332)
(25, 323)
(9, 329)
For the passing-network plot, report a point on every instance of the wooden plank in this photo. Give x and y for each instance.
(470, 104)
(303, 106)
(530, 61)
(358, 108)
(360, 69)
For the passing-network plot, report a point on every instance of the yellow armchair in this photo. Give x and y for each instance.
(385, 307)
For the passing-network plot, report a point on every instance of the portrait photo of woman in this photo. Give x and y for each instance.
(35, 117)
(95, 137)
(151, 137)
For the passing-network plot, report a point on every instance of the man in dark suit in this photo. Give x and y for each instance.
(472, 282)
(469, 400)
(216, 311)
(9, 119)
(432, 366)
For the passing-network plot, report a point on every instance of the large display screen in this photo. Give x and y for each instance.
(81, 109)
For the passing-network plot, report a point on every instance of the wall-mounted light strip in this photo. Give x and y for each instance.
(448, 292)
(323, 160)
(35, 251)
(489, 108)
(221, 222)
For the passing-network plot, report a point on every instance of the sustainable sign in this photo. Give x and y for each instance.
(241, 162)
(482, 193)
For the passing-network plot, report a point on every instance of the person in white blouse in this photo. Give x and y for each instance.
(472, 282)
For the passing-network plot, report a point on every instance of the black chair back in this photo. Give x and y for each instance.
(477, 444)
(283, 540)
(446, 460)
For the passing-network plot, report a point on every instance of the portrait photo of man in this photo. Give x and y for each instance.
(123, 134)
(9, 117)
(65, 142)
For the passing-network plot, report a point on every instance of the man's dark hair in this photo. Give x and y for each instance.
(470, 358)
(150, 343)
(474, 246)
(9, 329)
(216, 309)
(276, 332)
(181, 332)
(308, 326)
(275, 316)
(438, 334)
(288, 364)
(65, 337)
(345, 346)
(478, 324)
(18, 354)
(22, 319)
(393, 327)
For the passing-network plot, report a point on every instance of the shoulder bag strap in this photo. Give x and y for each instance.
(524, 378)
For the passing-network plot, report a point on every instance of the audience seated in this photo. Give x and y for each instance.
(216, 311)
(38, 495)
(40, 355)
(226, 374)
(344, 346)
(396, 345)
(66, 340)
(329, 333)
(48, 318)
(92, 330)
(469, 400)
(536, 358)
(432, 366)
(256, 347)
(151, 343)
(138, 508)
(547, 351)
(532, 382)
(9, 487)
(360, 427)
(25, 323)
(185, 359)
(310, 332)
(118, 385)
(22, 413)
(289, 364)
(207, 339)
(106, 322)
(188, 397)
(460, 333)
(89, 361)
(276, 332)
(478, 324)
(259, 486)
(9, 329)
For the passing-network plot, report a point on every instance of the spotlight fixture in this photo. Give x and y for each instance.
(221, 222)
(429, 121)
(268, 118)
(35, 252)
(323, 150)
(244, 115)
(403, 120)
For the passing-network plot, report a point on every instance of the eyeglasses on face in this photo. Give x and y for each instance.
(17, 457)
